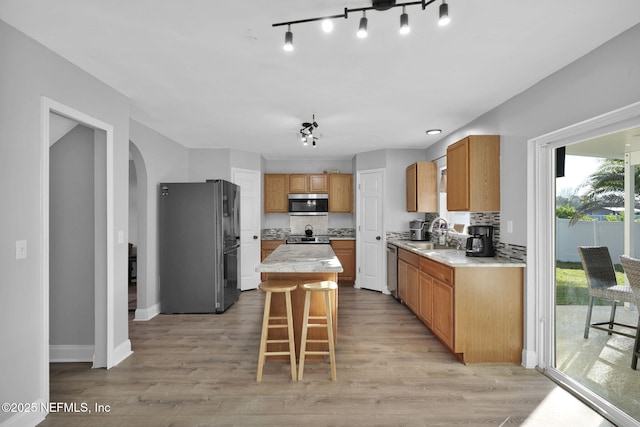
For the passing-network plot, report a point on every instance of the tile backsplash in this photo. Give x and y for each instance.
(319, 224)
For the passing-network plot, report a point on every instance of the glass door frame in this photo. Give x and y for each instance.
(539, 295)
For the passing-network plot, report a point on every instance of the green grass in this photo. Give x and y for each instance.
(571, 284)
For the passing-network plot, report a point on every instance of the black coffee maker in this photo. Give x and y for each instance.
(481, 241)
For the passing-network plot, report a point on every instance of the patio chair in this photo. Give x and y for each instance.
(632, 270)
(601, 278)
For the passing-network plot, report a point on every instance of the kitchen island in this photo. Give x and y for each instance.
(301, 264)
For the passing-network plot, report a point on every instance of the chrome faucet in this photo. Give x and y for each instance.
(446, 227)
(438, 219)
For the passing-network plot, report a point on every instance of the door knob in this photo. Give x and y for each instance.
(377, 237)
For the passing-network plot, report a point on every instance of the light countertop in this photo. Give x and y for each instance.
(457, 258)
(301, 259)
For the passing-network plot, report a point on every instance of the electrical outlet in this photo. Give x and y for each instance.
(21, 249)
(509, 226)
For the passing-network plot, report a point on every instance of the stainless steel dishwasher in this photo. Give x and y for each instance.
(392, 270)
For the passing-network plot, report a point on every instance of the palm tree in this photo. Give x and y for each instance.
(605, 188)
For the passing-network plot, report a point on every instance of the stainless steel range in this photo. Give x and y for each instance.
(301, 238)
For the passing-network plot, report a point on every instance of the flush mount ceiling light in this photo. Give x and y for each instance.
(306, 133)
(434, 131)
(380, 5)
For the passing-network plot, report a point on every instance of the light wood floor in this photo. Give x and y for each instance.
(190, 370)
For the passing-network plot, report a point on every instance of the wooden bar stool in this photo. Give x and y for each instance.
(325, 287)
(270, 287)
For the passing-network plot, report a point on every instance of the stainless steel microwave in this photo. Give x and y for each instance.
(308, 204)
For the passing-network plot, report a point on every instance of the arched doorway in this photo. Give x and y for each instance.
(138, 214)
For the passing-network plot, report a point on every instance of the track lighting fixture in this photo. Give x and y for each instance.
(362, 29)
(379, 5)
(444, 14)
(404, 22)
(288, 39)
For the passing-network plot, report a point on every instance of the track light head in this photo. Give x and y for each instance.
(327, 25)
(288, 40)
(362, 29)
(404, 22)
(444, 14)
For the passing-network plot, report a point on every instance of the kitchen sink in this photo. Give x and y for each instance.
(422, 245)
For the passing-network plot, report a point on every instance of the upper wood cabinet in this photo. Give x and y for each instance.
(473, 174)
(278, 186)
(422, 187)
(341, 193)
(305, 183)
(276, 193)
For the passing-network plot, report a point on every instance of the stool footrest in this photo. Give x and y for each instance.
(277, 341)
(276, 353)
(277, 326)
(318, 353)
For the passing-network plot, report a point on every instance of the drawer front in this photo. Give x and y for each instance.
(409, 257)
(343, 244)
(437, 271)
(271, 244)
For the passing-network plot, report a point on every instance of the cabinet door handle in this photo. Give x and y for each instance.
(378, 237)
(255, 237)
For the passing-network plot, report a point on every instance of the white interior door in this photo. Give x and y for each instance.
(370, 231)
(249, 182)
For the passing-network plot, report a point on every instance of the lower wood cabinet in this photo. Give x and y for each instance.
(425, 295)
(345, 250)
(476, 312)
(408, 288)
(442, 324)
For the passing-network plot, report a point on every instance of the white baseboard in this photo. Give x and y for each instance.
(25, 418)
(121, 352)
(143, 314)
(71, 353)
(529, 359)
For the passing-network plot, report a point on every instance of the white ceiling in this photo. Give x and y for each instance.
(213, 74)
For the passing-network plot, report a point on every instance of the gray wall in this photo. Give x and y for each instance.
(394, 162)
(71, 241)
(133, 204)
(602, 81)
(217, 163)
(30, 71)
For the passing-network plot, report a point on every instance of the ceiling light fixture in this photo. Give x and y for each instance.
(434, 131)
(306, 133)
(444, 14)
(404, 22)
(362, 28)
(288, 39)
(379, 5)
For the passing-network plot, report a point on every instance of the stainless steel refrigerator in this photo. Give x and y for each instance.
(199, 232)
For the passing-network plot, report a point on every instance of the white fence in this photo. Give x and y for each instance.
(593, 233)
